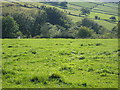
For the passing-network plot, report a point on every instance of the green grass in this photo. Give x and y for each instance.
(111, 5)
(60, 63)
(74, 18)
(73, 7)
(106, 10)
(106, 24)
(101, 15)
(75, 12)
(83, 4)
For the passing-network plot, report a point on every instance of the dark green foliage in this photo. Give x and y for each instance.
(93, 25)
(97, 18)
(64, 5)
(50, 22)
(59, 4)
(9, 27)
(40, 20)
(25, 22)
(84, 32)
(49, 30)
(85, 11)
(57, 17)
(113, 18)
(36, 24)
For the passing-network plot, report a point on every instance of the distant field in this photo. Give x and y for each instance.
(111, 5)
(106, 24)
(60, 63)
(101, 15)
(75, 19)
(102, 10)
(83, 4)
(106, 10)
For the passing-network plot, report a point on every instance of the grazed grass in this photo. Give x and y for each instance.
(101, 15)
(106, 24)
(107, 10)
(60, 63)
(83, 4)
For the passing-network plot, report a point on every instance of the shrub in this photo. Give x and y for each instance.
(84, 32)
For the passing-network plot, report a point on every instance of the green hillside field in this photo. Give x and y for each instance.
(60, 63)
(102, 9)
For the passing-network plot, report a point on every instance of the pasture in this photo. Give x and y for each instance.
(60, 63)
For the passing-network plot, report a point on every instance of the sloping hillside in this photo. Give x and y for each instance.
(102, 10)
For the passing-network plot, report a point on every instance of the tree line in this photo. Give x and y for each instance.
(49, 22)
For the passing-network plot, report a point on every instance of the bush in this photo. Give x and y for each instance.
(85, 11)
(84, 32)
(9, 27)
(98, 29)
(113, 18)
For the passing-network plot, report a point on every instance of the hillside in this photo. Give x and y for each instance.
(59, 45)
(103, 10)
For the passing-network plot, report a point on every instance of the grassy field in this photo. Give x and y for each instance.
(101, 15)
(107, 10)
(105, 24)
(83, 4)
(60, 63)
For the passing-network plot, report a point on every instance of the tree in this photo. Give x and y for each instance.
(85, 11)
(54, 31)
(9, 27)
(40, 20)
(48, 30)
(63, 5)
(57, 17)
(93, 25)
(113, 18)
(26, 23)
(73, 31)
(84, 32)
(96, 17)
